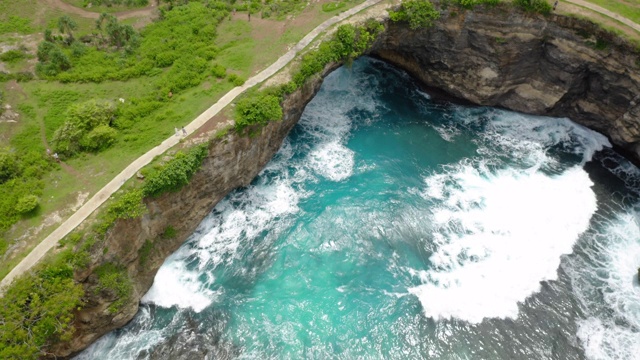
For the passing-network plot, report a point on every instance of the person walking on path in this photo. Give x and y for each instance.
(184, 132)
(176, 130)
(555, 5)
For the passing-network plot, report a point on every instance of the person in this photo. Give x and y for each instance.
(249, 14)
(55, 156)
(176, 129)
(555, 4)
(184, 132)
(48, 152)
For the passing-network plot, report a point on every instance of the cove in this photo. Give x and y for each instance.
(390, 225)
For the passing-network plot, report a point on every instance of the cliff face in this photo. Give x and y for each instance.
(233, 162)
(556, 66)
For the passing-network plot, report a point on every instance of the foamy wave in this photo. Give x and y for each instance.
(499, 236)
(615, 334)
(333, 161)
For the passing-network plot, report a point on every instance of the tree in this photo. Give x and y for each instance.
(66, 25)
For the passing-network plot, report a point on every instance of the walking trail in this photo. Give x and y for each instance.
(605, 12)
(101, 196)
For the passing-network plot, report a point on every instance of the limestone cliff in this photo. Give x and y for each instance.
(233, 161)
(555, 65)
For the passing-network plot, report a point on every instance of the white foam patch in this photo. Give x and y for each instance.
(499, 235)
(333, 161)
(174, 285)
(617, 335)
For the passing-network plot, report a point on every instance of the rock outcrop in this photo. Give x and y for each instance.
(555, 65)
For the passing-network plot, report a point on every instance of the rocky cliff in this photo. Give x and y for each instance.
(555, 65)
(233, 161)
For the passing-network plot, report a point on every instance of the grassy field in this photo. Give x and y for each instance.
(112, 8)
(244, 48)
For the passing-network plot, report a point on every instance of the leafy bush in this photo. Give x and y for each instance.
(175, 173)
(115, 282)
(219, 71)
(77, 133)
(9, 167)
(236, 80)
(418, 13)
(27, 204)
(169, 232)
(257, 109)
(536, 6)
(37, 309)
(348, 43)
(99, 138)
(13, 56)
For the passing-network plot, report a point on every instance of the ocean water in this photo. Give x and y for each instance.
(391, 225)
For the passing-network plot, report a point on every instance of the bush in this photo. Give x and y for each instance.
(115, 282)
(77, 133)
(99, 138)
(258, 109)
(469, 4)
(37, 309)
(13, 56)
(236, 80)
(536, 6)
(9, 167)
(175, 173)
(418, 13)
(219, 71)
(27, 204)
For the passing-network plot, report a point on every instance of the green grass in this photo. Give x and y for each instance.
(629, 9)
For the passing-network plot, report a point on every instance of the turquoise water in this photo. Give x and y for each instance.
(392, 225)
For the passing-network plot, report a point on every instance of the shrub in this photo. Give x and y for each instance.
(257, 109)
(536, 6)
(175, 173)
(13, 56)
(9, 167)
(115, 282)
(37, 309)
(219, 71)
(236, 80)
(27, 204)
(77, 133)
(99, 138)
(418, 13)
(468, 4)
(169, 232)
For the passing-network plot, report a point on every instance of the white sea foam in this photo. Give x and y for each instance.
(615, 334)
(499, 235)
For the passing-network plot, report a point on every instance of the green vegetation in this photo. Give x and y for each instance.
(144, 252)
(348, 43)
(169, 232)
(535, 6)
(128, 206)
(175, 173)
(86, 128)
(116, 2)
(257, 110)
(13, 56)
(418, 13)
(37, 310)
(629, 9)
(114, 282)
(16, 24)
(470, 4)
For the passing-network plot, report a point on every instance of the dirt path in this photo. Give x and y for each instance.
(148, 11)
(103, 194)
(606, 12)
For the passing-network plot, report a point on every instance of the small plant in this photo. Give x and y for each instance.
(144, 252)
(169, 232)
(235, 80)
(500, 40)
(114, 281)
